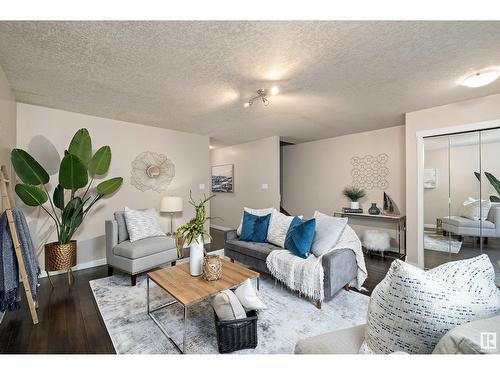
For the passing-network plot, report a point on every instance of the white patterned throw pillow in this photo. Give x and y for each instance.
(253, 211)
(278, 228)
(142, 224)
(475, 209)
(411, 309)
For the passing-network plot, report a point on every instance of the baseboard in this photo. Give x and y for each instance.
(79, 266)
(218, 227)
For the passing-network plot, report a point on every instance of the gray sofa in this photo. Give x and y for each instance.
(463, 226)
(138, 256)
(339, 266)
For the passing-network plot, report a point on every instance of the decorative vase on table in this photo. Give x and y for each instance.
(196, 257)
(374, 210)
(193, 233)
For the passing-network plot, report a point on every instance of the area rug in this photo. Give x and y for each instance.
(287, 319)
(438, 242)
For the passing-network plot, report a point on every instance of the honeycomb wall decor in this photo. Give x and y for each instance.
(370, 172)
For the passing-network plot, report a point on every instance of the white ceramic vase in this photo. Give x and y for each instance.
(354, 205)
(196, 257)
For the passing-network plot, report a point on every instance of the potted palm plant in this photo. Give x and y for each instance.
(193, 233)
(354, 194)
(73, 197)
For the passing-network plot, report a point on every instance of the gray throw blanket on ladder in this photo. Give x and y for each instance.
(10, 291)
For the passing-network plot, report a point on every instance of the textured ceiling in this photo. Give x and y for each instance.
(335, 77)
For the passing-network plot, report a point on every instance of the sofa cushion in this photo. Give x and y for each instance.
(475, 209)
(300, 237)
(143, 224)
(254, 227)
(328, 231)
(144, 247)
(343, 341)
(122, 226)
(410, 310)
(460, 221)
(466, 339)
(278, 228)
(476, 275)
(253, 249)
(258, 212)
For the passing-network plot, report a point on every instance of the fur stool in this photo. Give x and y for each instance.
(377, 240)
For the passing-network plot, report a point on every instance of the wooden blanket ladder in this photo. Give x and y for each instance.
(6, 204)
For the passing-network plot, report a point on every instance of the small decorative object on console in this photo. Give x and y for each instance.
(374, 210)
(354, 194)
(212, 268)
(390, 208)
(348, 210)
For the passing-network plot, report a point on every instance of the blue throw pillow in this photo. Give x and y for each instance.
(254, 228)
(300, 237)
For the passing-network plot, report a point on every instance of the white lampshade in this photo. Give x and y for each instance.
(171, 204)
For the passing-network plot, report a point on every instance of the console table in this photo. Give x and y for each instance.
(399, 220)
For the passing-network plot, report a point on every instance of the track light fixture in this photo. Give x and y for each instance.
(262, 95)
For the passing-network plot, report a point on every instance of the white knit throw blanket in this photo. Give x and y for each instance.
(306, 275)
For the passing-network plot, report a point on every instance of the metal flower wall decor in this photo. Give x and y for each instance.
(151, 170)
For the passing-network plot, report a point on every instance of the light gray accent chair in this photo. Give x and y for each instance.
(462, 226)
(135, 257)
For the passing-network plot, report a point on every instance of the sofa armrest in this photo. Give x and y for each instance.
(230, 235)
(340, 268)
(111, 230)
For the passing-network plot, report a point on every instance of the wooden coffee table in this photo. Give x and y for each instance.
(188, 290)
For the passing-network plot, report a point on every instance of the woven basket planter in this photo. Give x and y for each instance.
(60, 256)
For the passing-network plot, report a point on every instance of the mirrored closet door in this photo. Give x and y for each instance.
(462, 197)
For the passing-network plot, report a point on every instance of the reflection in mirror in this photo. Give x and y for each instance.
(490, 162)
(460, 208)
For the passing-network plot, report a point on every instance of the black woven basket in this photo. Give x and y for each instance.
(238, 334)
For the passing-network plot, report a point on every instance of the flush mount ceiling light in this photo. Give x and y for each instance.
(262, 95)
(481, 78)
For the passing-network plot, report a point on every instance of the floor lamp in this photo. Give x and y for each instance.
(171, 205)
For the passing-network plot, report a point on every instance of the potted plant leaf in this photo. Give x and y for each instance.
(73, 197)
(354, 194)
(193, 233)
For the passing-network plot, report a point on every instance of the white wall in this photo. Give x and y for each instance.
(7, 123)
(315, 173)
(255, 163)
(456, 117)
(46, 133)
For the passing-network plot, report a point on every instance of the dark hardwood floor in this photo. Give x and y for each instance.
(71, 323)
(69, 320)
